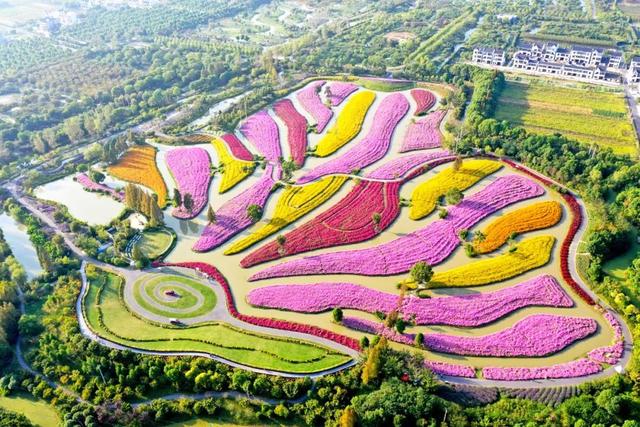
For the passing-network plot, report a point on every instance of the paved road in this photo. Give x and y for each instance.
(635, 115)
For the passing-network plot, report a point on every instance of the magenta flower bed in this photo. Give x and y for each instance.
(232, 217)
(610, 354)
(191, 169)
(339, 92)
(348, 221)
(372, 147)
(377, 328)
(84, 180)
(262, 131)
(424, 133)
(466, 310)
(576, 368)
(296, 129)
(309, 98)
(236, 147)
(398, 167)
(533, 336)
(443, 368)
(617, 329)
(424, 100)
(432, 244)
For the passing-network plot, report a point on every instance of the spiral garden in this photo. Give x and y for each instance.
(373, 194)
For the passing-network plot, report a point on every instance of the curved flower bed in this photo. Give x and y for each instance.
(534, 336)
(296, 129)
(531, 253)
(443, 368)
(233, 170)
(309, 98)
(138, 165)
(238, 149)
(262, 131)
(348, 221)
(215, 274)
(191, 169)
(610, 354)
(348, 124)
(573, 230)
(398, 167)
(424, 198)
(295, 202)
(372, 147)
(339, 91)
(90, 185)
(424, 133)
(533, 217)
(576, 368)
(424, 100)
(232, 217)
(432, 244)
(465, 310)
(377, 328)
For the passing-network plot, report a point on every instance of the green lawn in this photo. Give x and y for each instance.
(586, 114)
(384, 85)
(152, 285)
(38, 412)
(617, 266)
(154, 243)
(257, 350)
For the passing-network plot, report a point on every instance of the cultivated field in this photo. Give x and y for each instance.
(297, 261)
(588, 115)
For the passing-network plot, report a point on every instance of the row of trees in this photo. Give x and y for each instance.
(138, 200)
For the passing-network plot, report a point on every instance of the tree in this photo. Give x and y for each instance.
(454, 196)
(177, 198)
(211, 215)
(187, 202)
(337, 315)
(376, 218)
(421, 272)
(479, 237)
(348, 417)
(457, 164)
(371, 368)
(254, 212)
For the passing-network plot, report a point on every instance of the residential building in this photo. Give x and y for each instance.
(488, 55)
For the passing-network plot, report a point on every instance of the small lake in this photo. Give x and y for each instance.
(23, 250)
(93, 208)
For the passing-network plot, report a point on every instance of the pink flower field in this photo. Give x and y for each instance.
(232, 217)
(262, 132)
(309, 98)
(339, 91)
(89, 185)
(424, 100)
(432, 244)
(191, 169)
(236, 147)
(466, 310)
(576, 368)
(424, 133)
(533, 336)
(400, 166)
(296, 129)
(372, 147)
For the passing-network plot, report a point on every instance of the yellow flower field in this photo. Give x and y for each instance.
(295, 202)
(425, 196)
(347, 125)
(138, 165)
(534, 217)
(531, 253)
(234, 170)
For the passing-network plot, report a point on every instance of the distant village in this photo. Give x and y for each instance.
(584, 62)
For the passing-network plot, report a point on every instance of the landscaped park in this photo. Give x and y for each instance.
(337, 216)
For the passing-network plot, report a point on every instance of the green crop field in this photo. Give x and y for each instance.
(585, 114)
(108, 316)
(37, 411)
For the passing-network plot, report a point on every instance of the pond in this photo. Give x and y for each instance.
(16, 236)
(92, 208)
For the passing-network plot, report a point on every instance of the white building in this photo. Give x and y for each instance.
(488, 55)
